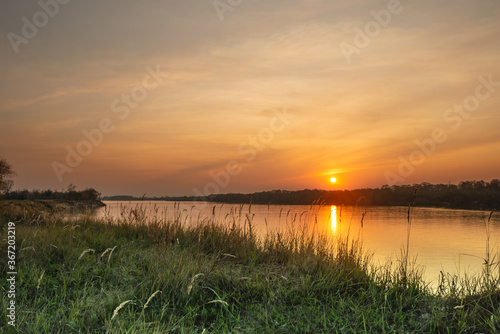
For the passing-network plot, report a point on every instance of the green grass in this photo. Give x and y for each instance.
(212, 278)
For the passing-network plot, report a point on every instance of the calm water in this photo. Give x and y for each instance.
(452, 241)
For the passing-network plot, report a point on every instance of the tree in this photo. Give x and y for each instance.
(6, 173)
(90, 194)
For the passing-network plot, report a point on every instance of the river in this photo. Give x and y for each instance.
(442, 240)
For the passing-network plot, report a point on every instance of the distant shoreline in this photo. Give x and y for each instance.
(468, 195)
(359, 205)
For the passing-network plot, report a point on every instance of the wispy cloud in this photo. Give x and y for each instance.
(225, 77)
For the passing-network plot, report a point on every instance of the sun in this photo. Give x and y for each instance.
(333, 180)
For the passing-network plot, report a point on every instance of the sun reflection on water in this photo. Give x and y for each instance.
(333, 217)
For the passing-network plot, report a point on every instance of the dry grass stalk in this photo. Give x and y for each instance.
(115, 312)
(190, 287)
(90, 250)
(218, 301)
(40, 280)
(110, 250)
(151, 297)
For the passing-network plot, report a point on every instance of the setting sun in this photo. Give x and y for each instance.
(333, 180)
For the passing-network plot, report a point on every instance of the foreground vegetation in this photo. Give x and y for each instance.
(157, 276)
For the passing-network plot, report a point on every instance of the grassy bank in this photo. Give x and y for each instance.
(35, 208)
(87, 276)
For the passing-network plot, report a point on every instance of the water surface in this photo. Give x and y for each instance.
(451, 241)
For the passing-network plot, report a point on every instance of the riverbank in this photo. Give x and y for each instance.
(101, 276)
(35, 207)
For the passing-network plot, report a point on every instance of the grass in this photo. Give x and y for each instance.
(158, 276)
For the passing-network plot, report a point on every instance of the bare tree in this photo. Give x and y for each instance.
(6, 173)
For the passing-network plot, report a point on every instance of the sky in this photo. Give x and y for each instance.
(164, 97)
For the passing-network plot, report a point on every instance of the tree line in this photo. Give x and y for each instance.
(473, 195)
(478, 195)
(71, 194)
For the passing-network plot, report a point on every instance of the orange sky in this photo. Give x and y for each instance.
(205, 87)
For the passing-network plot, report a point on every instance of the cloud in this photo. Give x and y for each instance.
(225, 77)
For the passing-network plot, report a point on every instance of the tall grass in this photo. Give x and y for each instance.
(154, 274)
